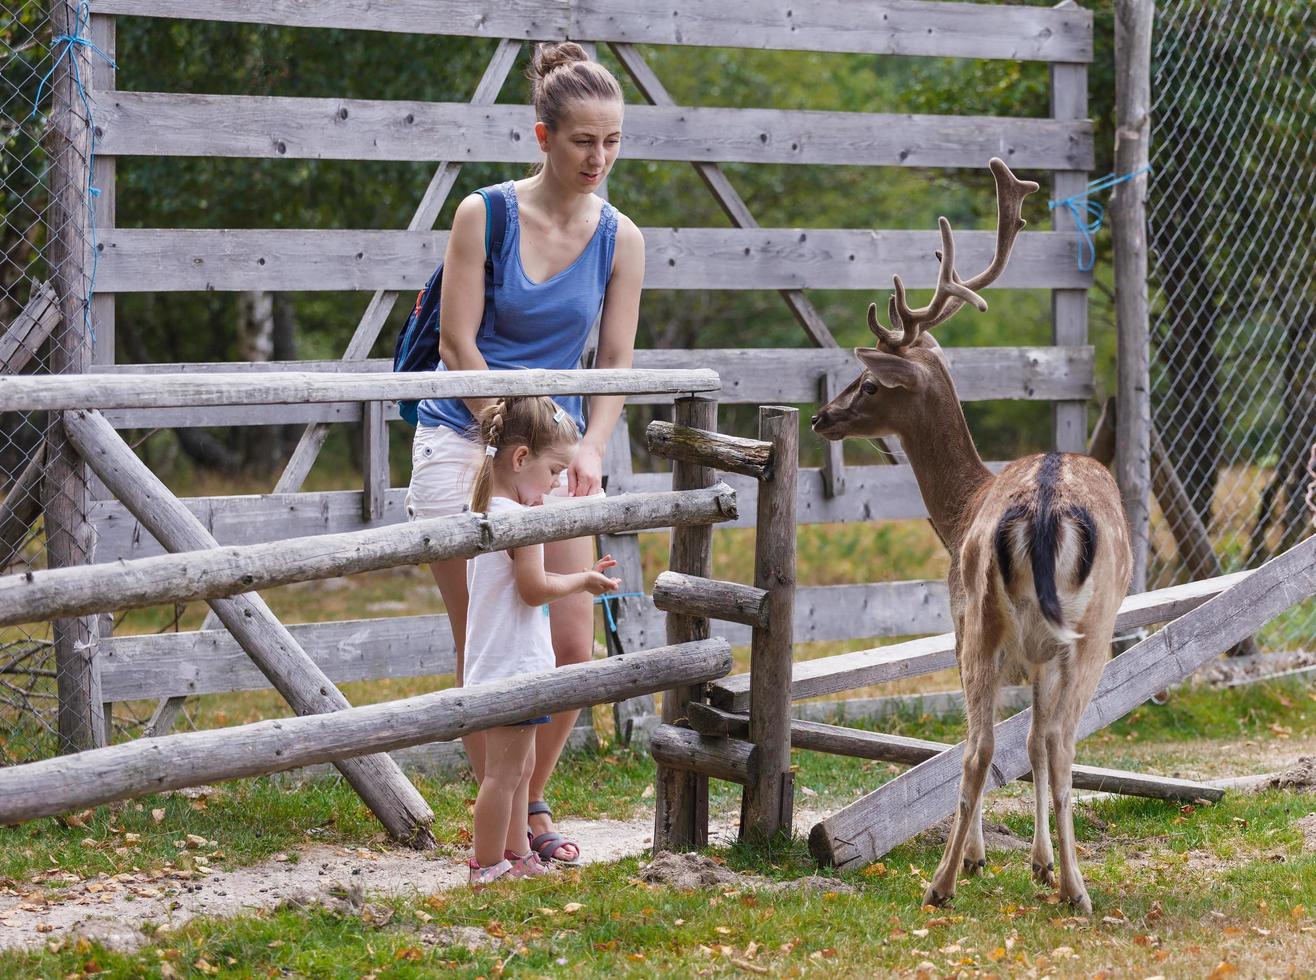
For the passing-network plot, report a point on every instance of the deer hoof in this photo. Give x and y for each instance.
(935, 898)
(1045, 875)
(1081, 902)
(972, 867)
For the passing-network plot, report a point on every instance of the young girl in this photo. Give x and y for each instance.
(528, 443)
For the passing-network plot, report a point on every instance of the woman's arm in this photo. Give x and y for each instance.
(621, 316)
(537, 586)
(461, 303)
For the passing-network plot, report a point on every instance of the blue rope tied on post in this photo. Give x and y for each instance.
(65, 44)
(1080, 206)
(603, 601)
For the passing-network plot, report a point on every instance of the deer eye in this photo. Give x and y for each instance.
(868, 388)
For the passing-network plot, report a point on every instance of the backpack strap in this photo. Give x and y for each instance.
(495, 230)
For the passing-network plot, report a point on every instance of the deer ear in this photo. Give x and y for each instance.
(891, 370)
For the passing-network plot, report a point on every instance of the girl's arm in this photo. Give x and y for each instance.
(537, 586)
(621, 316)
(461, 303)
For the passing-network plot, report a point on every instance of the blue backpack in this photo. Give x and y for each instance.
(417, 347)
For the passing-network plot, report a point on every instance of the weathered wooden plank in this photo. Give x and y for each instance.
(847, 671)
(21, 506)
(104, 176)
(914, 800)
(28, 393)
(226, 571)
(183, 260)
(859, 744)
(894, 27)
(830, 385)
(157, 764)
(752, 375)
(24, 337)
(897, 27)
(748, 457)
(224, 415)
(692, 595)
(769, 797)
(680, 820)
(688, 752)
(376, 778)
(211, 662)
(178, 124)
(374, 461)
(526, 19)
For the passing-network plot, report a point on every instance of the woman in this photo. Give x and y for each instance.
(568, 259)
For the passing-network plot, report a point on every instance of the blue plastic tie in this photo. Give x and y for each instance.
(1079, 206)
(603, 601)
(65, 43)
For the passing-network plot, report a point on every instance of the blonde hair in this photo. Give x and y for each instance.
(563, 73)
(538, 423)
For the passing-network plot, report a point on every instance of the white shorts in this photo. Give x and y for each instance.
(443, 467)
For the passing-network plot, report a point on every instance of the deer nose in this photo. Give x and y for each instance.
(814, 420)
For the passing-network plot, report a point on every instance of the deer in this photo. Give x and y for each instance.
(1040, 555)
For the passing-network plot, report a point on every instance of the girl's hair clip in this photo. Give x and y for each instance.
(491, 450)
(559, 415)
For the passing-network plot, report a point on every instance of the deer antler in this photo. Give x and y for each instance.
(952, 292)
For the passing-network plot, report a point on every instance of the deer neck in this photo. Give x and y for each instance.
(949, 471)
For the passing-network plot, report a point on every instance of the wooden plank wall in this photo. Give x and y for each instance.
(787, 259)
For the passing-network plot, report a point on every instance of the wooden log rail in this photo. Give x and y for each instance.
(152, 390)
(729, 759)
(859, 744)
(918, 798)
(926, 655)
(692, 595)
(227, 571)
(748, 457)
(154, 765)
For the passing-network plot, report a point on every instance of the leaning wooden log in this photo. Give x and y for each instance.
(858, 744)
(27, 393)
(694, 595)
(926, 655)
(21, 506)
(915, 800)
(154, 765)
(729, 759)
(748, 457)
(290, 669)
(226, 571)
(24, 337)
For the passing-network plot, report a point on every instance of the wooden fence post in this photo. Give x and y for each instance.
(681, 804)
(1128, 208)
(768, 799)
(65, 496)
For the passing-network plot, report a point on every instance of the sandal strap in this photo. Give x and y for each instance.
(539, 806)
(546, 845)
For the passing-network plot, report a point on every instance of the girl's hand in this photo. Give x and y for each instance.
(596, 583)
(585, 474)
(604, 563)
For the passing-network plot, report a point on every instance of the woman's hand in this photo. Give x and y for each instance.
(585, 474)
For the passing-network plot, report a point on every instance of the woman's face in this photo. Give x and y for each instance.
(581, 151)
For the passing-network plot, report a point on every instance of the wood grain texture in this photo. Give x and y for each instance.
(157, 764)
(914, 800)
(24, 336)
(754, 375)
(29, 393)
(184, 260)
(859, 744)
(211, 661)
(226, 571)
(692, 595)
(847, 671)
(748, 457)
(681, 749)
(177, 124)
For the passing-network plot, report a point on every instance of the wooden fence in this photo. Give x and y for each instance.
(747, 256)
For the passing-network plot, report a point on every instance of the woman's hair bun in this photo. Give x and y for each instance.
(550, 55)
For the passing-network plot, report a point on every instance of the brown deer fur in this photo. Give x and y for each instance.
(1040, 556)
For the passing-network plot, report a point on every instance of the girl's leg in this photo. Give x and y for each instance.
(450, 577)
(516, 840)
(572, 624)
(506, 752)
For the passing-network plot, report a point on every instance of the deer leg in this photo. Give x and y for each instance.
(1043, 856)
(980, 682)
(1078, 679)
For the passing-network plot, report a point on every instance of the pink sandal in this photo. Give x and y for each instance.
(478, 877)
(527, 865)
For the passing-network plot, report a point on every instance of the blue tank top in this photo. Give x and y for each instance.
(537, 324)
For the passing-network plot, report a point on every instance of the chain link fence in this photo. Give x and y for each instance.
(45, 327)
(1233, 299)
